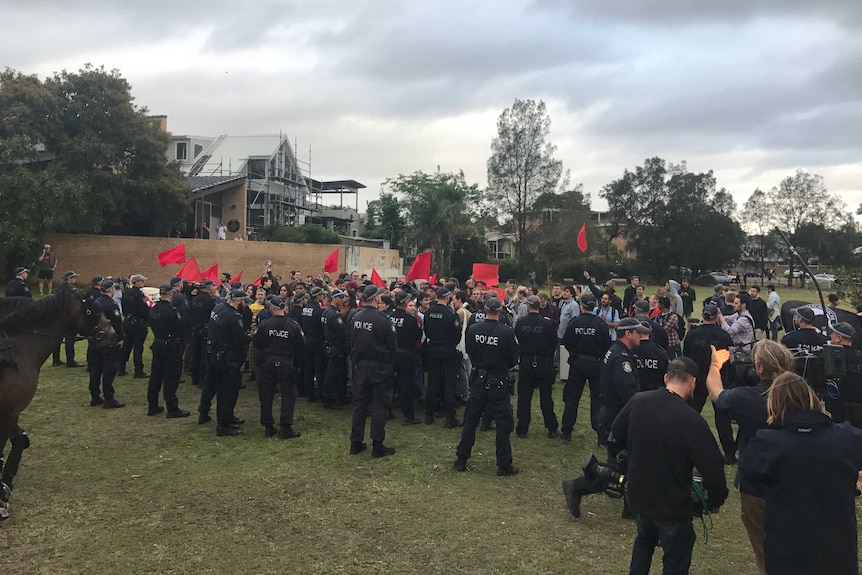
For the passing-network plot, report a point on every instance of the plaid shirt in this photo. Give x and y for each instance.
(670, 323)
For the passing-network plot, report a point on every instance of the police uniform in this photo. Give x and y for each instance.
(167, 365)
(280, 342)
(226, 340)
(137, 312)
(618, 383)
(334, 390)
(493, 350)
(315, 353)
(199, 314)
(104, 354)
(806, 340)
(537, 338)
(409, 335)
(373, 346)
(651, 362)
(443, 332)
(587, 340)
(18, 288)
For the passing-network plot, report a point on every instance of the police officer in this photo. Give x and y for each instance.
(226, 341)
(409, 336)
(373, 345)
(137, 312)
(334, 389)
(651, 360)
(315, 353)
(199, 314)
(17, 286)
(805, 338)
(537, 337)
(69, 280)
(443, 331)
(697, 347)
(493, 350)
(619, 380)
(167, 350)
(587, 340)
(279, 341)
(846, 405)
(104, 352)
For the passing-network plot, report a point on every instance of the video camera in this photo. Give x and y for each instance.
(821, 368)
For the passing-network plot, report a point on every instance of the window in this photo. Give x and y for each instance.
(182, 151)
(198, 150)
(257, 169)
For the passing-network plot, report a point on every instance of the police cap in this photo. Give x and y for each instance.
(239, 295)
(493, 304)
(276, 302)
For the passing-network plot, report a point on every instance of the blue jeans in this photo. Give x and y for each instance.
(677, 541)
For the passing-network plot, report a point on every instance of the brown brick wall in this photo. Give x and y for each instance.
(91, 255)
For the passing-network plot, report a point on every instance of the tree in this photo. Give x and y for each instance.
(673, 218)
(437, 210)
(76, 154)
(561, 216)
(385, 220)
(522, 165)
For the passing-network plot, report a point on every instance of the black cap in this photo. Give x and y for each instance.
(165, 288)
(105, 285)
(644, 320)
(21, 270)
(235, 285)
(70, 274)
(239, 295)
(97, 280)
(403, 297)
(718, 288)
(442, 292)
(843, 329)
(534, 302)
(629, 323)
(208, 283)
(664, 301)
(684, 364)
(315, 291)
(710, 311)
(641, 305)
(176, 280)
(276, 302)
(805, 313)
(588, 300)
(371, 291)
(493, 304)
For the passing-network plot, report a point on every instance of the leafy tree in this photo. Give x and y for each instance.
(561, 216)
(437, 210)
(385, 220)
(522, 165)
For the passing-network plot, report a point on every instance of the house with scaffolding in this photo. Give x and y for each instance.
(249, 182)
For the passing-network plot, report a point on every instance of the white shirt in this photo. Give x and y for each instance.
(773, 305)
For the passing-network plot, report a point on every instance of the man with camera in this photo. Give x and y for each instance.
(665, 440)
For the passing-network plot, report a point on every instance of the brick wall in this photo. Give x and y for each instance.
(91, 255)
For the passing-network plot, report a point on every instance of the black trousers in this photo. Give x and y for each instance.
(581, 370)
(498, 399)
(165, 374)
(405, 379)
(207, 381)
(133, 344)
(443, 364)
(334, 389)
(372, 388)
(103, 369)
(315, 369)
(540, 377)
(728, 443)
(277, 373)
(70, 350)
(197, 348)
(227, 381)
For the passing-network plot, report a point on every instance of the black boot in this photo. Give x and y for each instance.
(357, 447)
(287, 432)
(380, 450)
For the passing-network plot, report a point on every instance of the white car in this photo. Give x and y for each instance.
(825, 277)
(721, 277)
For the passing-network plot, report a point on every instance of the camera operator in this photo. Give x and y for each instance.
(665, 440)
(848, 405)
(805, 338)
(747, 406)
(698, 345)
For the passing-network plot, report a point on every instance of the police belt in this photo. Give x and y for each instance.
(487, 378)
(535, 360)
(590, 357)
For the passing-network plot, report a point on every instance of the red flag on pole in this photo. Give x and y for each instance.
(238, 277)
(175, 255)
(582, 238)
(421, 267)
(376, 279)
(211, 273)
(331, 263)
(256, 282)
(488, 273)
(433, 280)
(190, 272)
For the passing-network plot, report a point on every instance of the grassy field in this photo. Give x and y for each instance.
(115, 491)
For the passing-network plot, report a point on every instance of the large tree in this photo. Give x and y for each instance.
(385, 220)
(673, 218)
(561, 216)
(522, 166)
(76, 154)
(438, 212)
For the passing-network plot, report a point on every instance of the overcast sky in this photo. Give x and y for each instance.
(752, 89)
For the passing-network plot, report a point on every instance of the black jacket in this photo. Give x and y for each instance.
(807, 473)
(666, 439)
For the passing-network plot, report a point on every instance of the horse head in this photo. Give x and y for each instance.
(83, 315)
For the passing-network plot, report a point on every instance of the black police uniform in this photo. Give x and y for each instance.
(199, 313)
(167, 347)
(104, 359)
(443, 331)
(493, 350)
(845, 403)
(373, 346)
(334, 390)
(409, 335)
(137, 312)
(651, 362)
(315, 353)
(18, 288)
(659, 334)
(618, 383)
(226, 340)
(804, 340)
(537, 338)
(587, 340)
(280, 342)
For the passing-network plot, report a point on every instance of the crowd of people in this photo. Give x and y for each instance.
(427, 350)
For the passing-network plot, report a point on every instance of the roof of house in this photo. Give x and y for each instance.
(234, 151)
(201, 186)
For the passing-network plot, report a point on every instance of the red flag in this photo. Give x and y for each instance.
(488, 273)
(433, 280)
(211, 273)
(175, 255)
(148, 300)
(331, 263)
(238, 277)
(256, 282)
(421, 267)
(501, 293)
(582, 238)
(190, 272)
(376, 279)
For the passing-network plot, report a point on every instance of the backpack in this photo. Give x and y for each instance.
(680, 326)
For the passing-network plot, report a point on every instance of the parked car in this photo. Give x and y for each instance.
(721, 277)
(752, 274)
(825, 277)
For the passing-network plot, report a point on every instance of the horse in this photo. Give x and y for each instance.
(30, 331)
